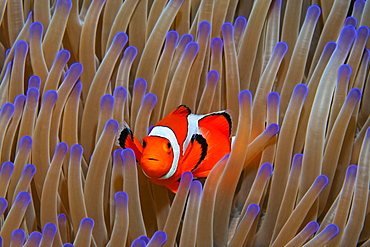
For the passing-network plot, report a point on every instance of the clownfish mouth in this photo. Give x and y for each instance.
(153, 159)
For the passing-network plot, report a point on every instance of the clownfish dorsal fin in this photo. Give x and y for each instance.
(177, 122)
(126, 139)
(217, 121)
(181, 110)
(195, 153)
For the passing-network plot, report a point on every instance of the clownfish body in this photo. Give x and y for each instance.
(181, 142)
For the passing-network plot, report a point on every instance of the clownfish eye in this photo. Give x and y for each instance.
(167, 147)
(144, 144)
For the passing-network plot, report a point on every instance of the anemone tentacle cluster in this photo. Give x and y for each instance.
(293, 75)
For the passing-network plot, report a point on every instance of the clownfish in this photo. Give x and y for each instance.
(181, 142)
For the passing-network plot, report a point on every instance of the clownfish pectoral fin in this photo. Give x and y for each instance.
(173, 186)
(195, 153)
(126, 139)
(217, 122)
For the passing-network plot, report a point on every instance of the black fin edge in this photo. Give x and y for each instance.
(203, 142)
(125, 133)
(185, 107)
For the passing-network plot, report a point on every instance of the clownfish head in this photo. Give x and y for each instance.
(157, 157)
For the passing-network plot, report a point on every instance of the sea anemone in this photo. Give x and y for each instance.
(72, 72)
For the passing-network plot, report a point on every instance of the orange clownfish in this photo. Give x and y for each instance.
(181, 142)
